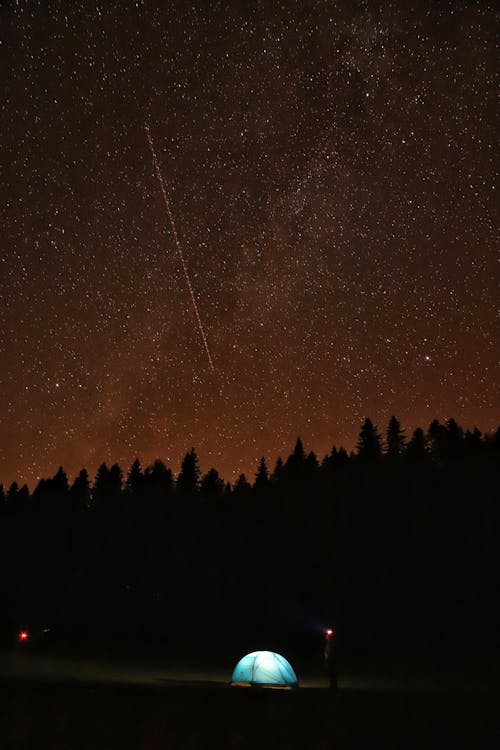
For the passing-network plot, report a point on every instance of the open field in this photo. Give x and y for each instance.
(59, 703)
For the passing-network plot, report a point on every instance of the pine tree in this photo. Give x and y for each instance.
(23, 495)
(473, 441)
(115, 481)
(159, 480)
(188, 481)
(294, 469)
(12, 493)
(311, 466)
(135, 479)
(80, 491)
(299, 453)
(342, 456)
(242, 485)
(101, 483)
(277, 474)
(438, 440)
(455, 440)
(108, 484)
(454, 430)
(262, 476)
(329, 460)
(395, 439)
(59, 483)
(41, 487)
(212, 486)
(369, 444)
(416, 448)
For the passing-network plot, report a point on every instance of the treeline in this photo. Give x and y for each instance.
(395, 543)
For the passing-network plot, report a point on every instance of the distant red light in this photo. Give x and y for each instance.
(329, 633)
(23, 635)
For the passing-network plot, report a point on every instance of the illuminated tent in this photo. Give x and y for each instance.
(264, 668)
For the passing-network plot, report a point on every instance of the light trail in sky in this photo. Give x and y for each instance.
(178, 244)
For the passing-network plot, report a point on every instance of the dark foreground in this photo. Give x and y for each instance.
(70, 715)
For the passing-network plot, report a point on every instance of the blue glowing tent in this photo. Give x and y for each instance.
(264, 668)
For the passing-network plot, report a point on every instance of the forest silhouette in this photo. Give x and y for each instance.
(395, 544)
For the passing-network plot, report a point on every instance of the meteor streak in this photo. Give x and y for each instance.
(178, 244)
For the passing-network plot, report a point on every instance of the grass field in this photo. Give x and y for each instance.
(59, 704)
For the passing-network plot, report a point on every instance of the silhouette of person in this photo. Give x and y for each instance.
(331, 658)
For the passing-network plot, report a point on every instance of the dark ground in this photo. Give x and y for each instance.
(56, 703)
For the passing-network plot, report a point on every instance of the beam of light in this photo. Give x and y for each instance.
(178, 244)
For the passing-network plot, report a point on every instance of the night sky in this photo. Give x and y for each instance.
(330, 169)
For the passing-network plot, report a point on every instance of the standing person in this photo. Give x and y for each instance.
(331, 658)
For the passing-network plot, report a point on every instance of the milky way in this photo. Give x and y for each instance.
(332, 170)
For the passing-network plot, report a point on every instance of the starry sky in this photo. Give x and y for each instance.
(330, 168)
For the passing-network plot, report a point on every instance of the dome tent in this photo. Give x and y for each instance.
(264, 668)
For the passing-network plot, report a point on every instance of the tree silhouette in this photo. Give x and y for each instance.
(242, 486)
(59, 483)
(416, 448)
(293, 470)
(395, 439)
(135, 479)
(115, 481)
(41, 487)
(438, 440)
(311, 466)
(454, 443)
(411, 539)
(158, 480)
(12, 493)
(212, 486)
(298, 452)
(277, 474)
(262, 475)
(335, 459)
(369, 445)
(79, 492)
(473, 441)
(101, 484)
(107, 485)
(188, 481)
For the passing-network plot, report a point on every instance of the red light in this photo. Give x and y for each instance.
(23, 635)
(329, 633)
